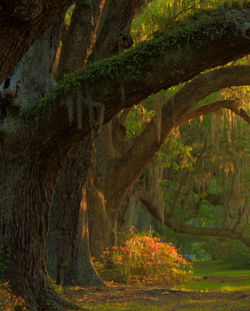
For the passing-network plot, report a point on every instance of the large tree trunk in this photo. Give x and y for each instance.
(68, 241)
(114, 30)
(26, 190)
(28, 177)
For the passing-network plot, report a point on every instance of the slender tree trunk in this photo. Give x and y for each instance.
(101, 226)
(105, 202)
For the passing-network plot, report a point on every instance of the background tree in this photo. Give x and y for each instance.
(197, 178)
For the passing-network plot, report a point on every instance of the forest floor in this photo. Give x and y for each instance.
(211, 289)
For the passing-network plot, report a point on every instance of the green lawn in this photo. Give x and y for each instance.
(217, 276)
(217, 268)
(220, 279)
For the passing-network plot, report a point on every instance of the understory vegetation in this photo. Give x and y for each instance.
(8, 301)
(143, 259)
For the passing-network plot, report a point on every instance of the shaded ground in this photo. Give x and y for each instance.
(148, 298)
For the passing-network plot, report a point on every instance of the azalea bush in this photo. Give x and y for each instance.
(8, 301)
(144, 259)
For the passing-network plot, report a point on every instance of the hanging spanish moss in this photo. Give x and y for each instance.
(79, 105)
(70, 107)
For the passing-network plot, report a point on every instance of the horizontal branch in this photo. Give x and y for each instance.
(146, 144)
(206, 109)
(178, 227)
(124, 80)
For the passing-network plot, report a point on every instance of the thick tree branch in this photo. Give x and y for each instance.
(206, 109)
(21, 23)
(113, 36)
(79, 39)
(146, 144)
(176, 57)
(178, 227)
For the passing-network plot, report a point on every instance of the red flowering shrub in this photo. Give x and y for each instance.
(8, 301)
(144, 259)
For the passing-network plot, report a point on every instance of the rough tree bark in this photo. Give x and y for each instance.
(21, 23)
(28, 178)
(76, 47)
(79, 39)
(103, 213)
(68, 243)
(26, 192)
(104, 207)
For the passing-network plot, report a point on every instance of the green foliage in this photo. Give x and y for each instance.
(177, 155)
(160, 14)
(68, 16)
(57, 288)
(191, 247)
(234, 252)
(144, 259)
(64, 264)
(136, 119)
(214, 188)
(8, 301)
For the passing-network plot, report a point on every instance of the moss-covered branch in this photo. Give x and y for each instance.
(209, 39)
(174, 110)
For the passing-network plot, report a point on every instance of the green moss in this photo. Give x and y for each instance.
(194, 33)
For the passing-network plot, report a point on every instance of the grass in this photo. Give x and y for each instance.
(221, 279)
(123, 307)
(184, 304)
(216, 286)
(217, 269)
